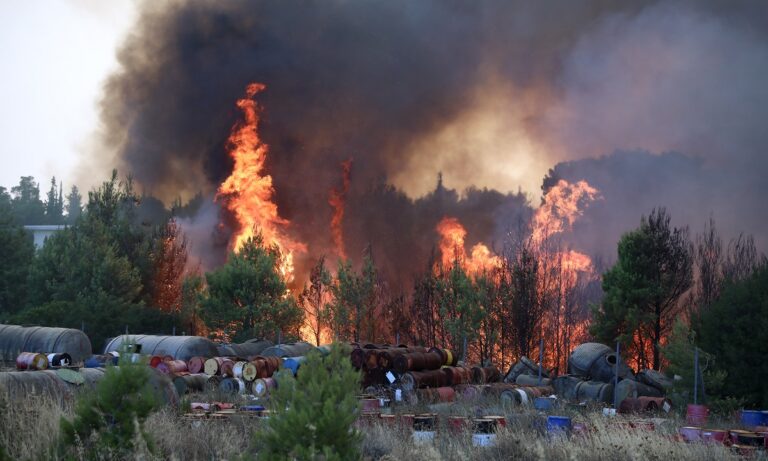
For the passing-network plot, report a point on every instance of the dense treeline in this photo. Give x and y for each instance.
(122, 263)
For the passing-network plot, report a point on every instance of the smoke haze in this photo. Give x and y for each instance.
(491, 93)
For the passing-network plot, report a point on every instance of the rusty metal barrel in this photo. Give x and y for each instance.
(485, 375)
(417, 361)
(172, 367)
(436, 394)
(196, 365)
(421, 379)
(458, 375)
(31, 361)
(266, 366)
(261, 387)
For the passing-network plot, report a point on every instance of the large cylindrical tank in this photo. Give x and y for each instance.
(246, 350)
(582, 358)
(178, 347)
(288, 350)
(628, 388)
(20, 384)
(565, 386)
(15, 339)
(595, 391)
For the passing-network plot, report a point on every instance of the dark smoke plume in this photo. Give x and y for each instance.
(492, 93)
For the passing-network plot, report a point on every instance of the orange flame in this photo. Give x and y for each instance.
(452, 235)
(563, 204)
(337, 199)
(248, 192)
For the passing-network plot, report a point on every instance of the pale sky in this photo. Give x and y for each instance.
(55, 57)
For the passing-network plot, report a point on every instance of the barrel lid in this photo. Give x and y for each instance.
(70, 376)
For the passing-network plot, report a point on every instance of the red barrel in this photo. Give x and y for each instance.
(389, 420)
(155, 360)
(357, 357)
(196, 365)
(697, 415)
(227, 368)
(406, 421)
(176, 366)
(372, 359)
(485, 375)
(458, 424)
(31, 361)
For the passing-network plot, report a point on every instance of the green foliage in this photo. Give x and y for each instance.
(93, 271)
(110, 420)
(735, 329)
(352, 313)
(312, 299)
(74, 205)
(680, 355)
(27, 206)
(247, 296)
(314, 413)
(642, 289)
(16, 254)
(458, 301)
(54, 204)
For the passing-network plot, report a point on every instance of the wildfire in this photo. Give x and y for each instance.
(452, 235)
(563, 204)
(336, 199)
(248, 192)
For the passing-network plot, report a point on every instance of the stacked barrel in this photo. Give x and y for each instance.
(423, 374)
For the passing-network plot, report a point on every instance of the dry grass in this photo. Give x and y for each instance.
(29, 430)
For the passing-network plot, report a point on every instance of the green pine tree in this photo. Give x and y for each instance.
(314, 413)
(109, 421)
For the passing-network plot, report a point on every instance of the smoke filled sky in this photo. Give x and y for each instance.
(658, 103)
(55, 56)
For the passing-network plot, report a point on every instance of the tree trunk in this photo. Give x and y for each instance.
(657, 338)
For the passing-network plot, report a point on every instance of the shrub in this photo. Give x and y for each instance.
(313, 414)
(110, 420)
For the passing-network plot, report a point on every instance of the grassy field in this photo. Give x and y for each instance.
(29, 429)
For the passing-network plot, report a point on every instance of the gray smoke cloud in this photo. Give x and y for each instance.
(492, 93)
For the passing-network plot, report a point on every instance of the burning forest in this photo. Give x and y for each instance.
(369, 158)
(442, 183)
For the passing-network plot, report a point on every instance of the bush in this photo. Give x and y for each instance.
(313, 414)
(110, 420)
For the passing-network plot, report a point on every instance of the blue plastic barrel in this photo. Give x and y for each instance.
(252, 408)
(558, 424)
(751, 418)
(293, 364)
(543, 403)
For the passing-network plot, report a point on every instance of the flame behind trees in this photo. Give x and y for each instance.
(248, 191)
(337, 199)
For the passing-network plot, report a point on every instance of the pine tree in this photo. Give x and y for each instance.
(314, 413)
(106, 421)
